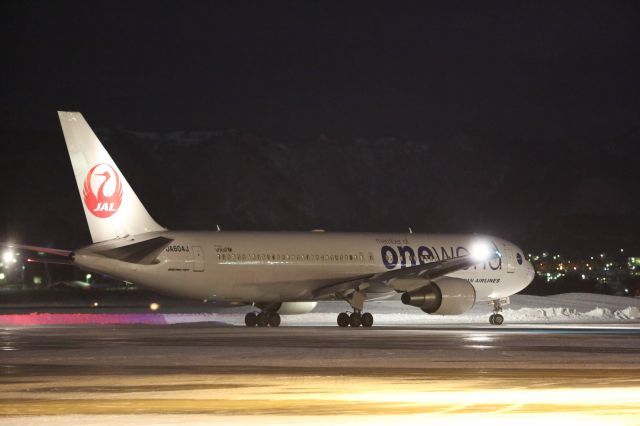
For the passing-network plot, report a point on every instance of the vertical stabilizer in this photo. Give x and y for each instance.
(111, 207)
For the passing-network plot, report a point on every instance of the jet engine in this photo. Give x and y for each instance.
(296, 308)
(445, 296)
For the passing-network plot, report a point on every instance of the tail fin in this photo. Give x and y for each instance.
(112, 208)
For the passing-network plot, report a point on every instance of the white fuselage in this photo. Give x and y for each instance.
(290, 266)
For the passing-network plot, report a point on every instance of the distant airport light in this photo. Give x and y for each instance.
(95, 304)
(2, 276)
(154, 306)
(9, 256)
(88, 277)
(37, 280)
(481, 251)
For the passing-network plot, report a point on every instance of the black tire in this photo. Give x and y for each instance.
(263, 319)
(343, 319)
(274, 319)
(355, 319)
(367, 320)
(491, 319)
(251, 319)
(498, 319)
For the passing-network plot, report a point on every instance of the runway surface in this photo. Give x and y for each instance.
(168, 374)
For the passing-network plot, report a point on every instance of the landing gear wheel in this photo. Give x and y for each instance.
(355, 319)
(274, 319)
(498, 319)
(251, 319)
(367, 320)
(343, 319)
(263, 319)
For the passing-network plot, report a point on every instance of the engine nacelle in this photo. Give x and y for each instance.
(296, 308)
(445, 296)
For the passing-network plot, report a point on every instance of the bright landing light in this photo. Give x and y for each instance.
(8, 256)
(481, 251)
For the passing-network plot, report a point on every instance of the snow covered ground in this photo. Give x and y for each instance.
(564, 308)
(573, 308)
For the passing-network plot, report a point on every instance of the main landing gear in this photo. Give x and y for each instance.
(262, 319)
(496, 318)
(355, 319)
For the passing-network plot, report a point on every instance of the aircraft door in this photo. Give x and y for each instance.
(198, 259)
(511, 261)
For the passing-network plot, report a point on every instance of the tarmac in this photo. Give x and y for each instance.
(199, 373)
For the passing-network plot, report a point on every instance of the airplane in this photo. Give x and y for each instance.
(280, 272)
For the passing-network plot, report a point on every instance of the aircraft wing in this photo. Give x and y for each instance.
(380, 282)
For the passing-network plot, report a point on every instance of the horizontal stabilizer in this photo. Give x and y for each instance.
(51, 260)
(143, 253)
(37, 249)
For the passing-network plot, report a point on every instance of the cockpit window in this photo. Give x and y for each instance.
(519, 258)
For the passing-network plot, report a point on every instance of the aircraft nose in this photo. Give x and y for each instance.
(531, 272)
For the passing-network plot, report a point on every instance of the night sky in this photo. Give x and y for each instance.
(526, 113)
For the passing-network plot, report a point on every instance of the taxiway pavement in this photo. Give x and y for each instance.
(147, 373)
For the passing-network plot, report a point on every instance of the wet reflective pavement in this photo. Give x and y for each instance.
(156, 374)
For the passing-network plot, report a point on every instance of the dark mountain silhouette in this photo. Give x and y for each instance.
(547, 196)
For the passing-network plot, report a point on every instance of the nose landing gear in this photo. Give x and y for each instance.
(496, 318)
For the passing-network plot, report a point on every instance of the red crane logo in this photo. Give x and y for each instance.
(99, 204)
